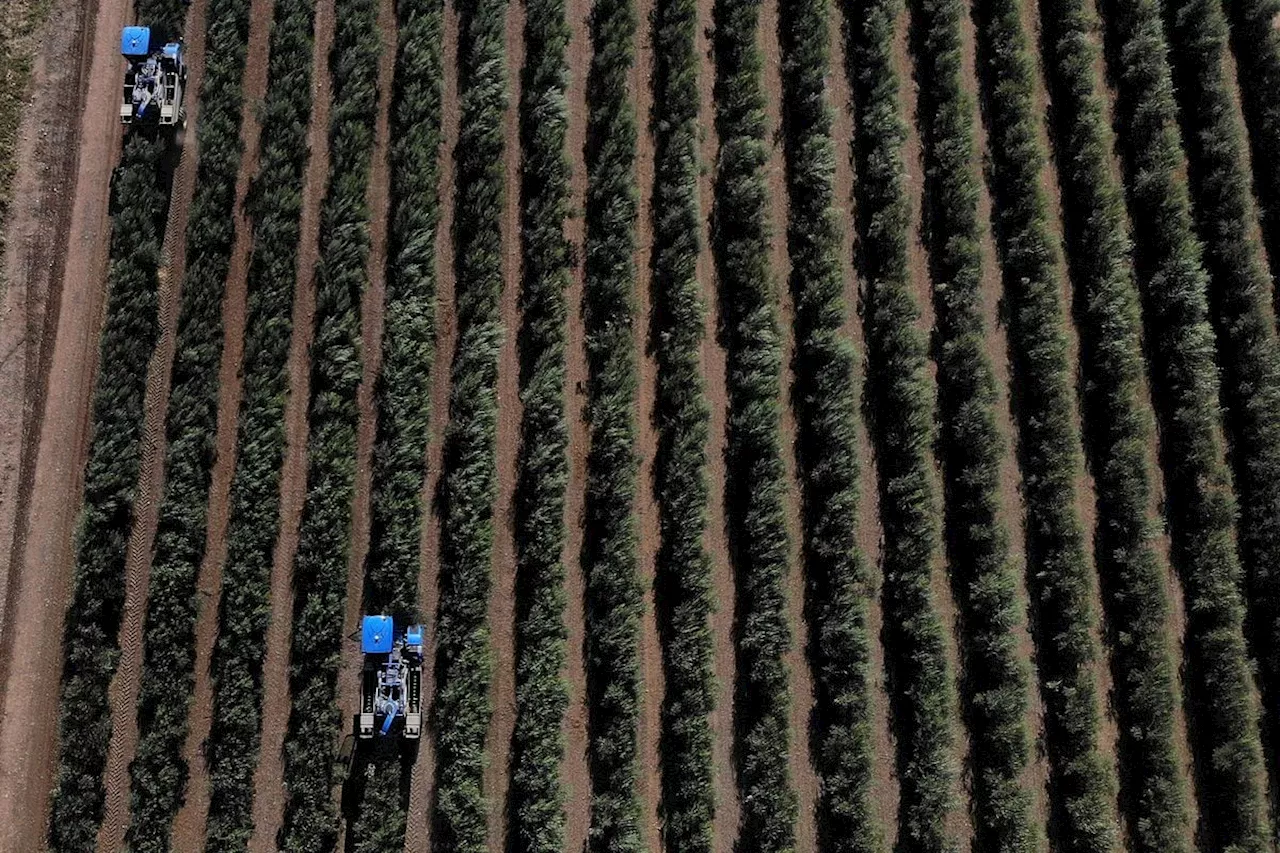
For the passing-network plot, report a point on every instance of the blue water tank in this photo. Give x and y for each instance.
(135, 41)
(376, 635)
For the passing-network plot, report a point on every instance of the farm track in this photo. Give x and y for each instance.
(39, 559)
(268, 779)
(123, 694)
(423, 775)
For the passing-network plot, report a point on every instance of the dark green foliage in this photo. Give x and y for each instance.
(1255, 38)
(1239, 296)
(324, 537)
(91, 633)
(403, 391)
(756, 483)
(613, 596)
(1200, 505)
(159, 772)
(900, 409)
(274, 205)
(537, 814)
(825, 396)
(468, 487)
(683, 593)
(1058, 577)
(1117, 434)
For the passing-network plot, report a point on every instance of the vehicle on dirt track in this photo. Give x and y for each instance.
(154, 81)
(391, 679)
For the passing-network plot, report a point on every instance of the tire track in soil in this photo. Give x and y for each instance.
(803, 779)
(918, 262)
(189, 825)
(576, 774)
(38, 595)
(422, 777)
(501, 611)
(884, 792)
(123, 692)
(35, 232)
(268, 779)
(724, 828)
(649, 734)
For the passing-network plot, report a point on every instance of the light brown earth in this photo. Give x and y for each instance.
(422, 780)
(39, 571)
(510, 413)
(268, 780)
(725, 827)
(188, 829)
(576, 774)
(123, 693)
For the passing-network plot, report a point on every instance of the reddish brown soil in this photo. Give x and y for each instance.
(269, 796)
(575, 772)
(39, 574)
(725, 826)
(188, 830)
(422, 781)
(649, 780)
(123, 695)
(510, 412)
(31, 276)
(803, 777)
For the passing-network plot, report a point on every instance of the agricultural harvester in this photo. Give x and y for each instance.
(154, 81)
(391, 680)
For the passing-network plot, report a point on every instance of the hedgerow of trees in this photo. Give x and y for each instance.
(468, 487)
(403, 390)
(683, 594)
(274, 206)
(1239, 308)
(613, 596)
(1117, 432)
(324, 537)
(1059, 580)
(756, 483)
(900, 417)
(158, 771)
(537, 816)
(825, 397)
(1200, 505)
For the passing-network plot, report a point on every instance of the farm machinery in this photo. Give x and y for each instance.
(391, 679)
(154, 81)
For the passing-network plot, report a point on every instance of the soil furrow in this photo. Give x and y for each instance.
(188, 830)
(422, 778)
(268, 779)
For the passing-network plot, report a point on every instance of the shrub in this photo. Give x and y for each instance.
(1200, 505)
(900, 409)
(274, 206)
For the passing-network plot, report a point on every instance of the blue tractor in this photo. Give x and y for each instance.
(391, 680)
(154, 81)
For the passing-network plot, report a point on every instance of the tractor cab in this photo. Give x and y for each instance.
(154, 81)
(391, 679)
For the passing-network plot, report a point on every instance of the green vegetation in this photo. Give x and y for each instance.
(158, 771)
(756, 481)
(537, 814)
(468, 487)
(900, 411)
(1059, 579)
(1239, 308)
(613, 597)
(274, 206)
(324, 537)
(1200, 505)
(1118, 433)
(839, 585)
(683, 586)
